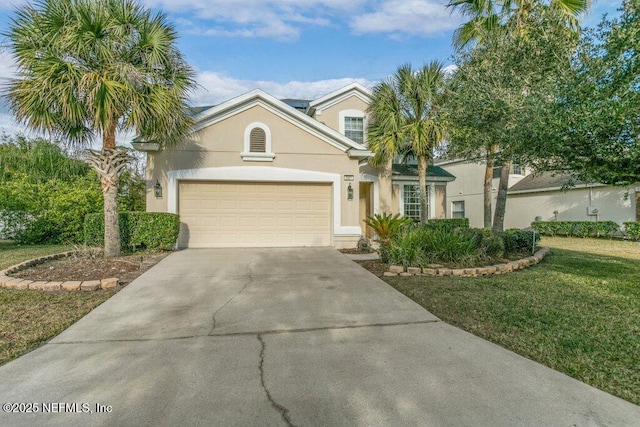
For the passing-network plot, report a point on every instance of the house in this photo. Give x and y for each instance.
(537, 196)
(260, 172)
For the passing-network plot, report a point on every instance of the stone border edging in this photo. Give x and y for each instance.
(398, 270)
(8, 282)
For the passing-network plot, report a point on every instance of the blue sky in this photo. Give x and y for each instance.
(298, 48)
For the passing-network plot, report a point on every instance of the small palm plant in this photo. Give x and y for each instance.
(386, 227)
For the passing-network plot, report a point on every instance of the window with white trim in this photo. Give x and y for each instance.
(411, 201)
(457, 209)
(257, 143)
(354, 128)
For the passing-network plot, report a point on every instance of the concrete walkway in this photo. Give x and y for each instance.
(284, 337)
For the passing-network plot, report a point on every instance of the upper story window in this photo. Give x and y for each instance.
(352, 124)
(257, 143)
(354, 128)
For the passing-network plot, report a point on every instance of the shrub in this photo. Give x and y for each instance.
(576, 228)
(632, 229)
(493, 246)
(138, 230)
(50, 211)
(517, 240)
(448, 224)
(386, 227)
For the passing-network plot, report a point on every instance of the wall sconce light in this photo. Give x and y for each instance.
(349, 192)
(157, 189)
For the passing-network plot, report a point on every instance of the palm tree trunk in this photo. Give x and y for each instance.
(501, 202)
(109, 163)
(488, 181)
(422, 181)
(385, 187)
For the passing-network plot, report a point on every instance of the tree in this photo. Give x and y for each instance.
(491, 16)
(595, 129)
(89, 67)
(493, 23)
(404, 120)
(501, 94)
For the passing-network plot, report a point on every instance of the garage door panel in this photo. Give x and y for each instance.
(223, 214)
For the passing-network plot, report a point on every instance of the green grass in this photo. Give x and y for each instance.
(577, 312)
(29, 318)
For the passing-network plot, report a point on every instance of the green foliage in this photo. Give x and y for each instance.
(517, 240)
(47, 212)
(138, 230)
(38, 160)
(593, 129)
(577, 228)
(448, 224)
(422, 245)
(632, 229)
(386, 225)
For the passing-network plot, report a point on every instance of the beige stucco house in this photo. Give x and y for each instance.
(262, 172)
(542, 196)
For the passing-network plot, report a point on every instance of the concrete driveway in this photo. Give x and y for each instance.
(284, 337)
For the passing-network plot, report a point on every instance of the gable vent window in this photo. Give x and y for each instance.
(257, 143)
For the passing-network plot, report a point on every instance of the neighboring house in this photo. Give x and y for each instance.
(543, 196)
(261, 172)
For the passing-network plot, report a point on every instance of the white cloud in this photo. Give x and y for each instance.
(412, 17)
(218, 87)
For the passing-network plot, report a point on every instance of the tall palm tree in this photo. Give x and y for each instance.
(87, 68)
(403, 119)
(487, 16)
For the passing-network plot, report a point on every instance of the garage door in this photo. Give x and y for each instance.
(235, 214)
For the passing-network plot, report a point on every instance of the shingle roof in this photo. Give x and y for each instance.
(298, 104)
(412, 170)
(197, 110)
(544, 180)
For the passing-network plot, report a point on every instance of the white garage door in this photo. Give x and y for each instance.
(237, 214)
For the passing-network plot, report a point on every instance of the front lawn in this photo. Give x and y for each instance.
(29, 318)
(577, 312)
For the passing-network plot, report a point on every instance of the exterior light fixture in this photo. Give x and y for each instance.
(349, 192)
(157, 189)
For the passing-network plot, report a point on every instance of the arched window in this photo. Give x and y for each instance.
(257, 143)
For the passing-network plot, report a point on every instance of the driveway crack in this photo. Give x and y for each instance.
(250, 281)
(284, 412)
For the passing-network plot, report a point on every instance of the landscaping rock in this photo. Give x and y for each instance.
(434, 266)
(406, 274)
(109, 283)
(388, 273)
(470, 271)
(37, 286)
(90, 285)
(457, 272)
(396, 269)
(71, 286)
(445, 272)
(52, 286)
(414, 270)
(429, 271)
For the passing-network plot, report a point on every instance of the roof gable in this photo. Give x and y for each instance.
(283, 110)
(337, 96)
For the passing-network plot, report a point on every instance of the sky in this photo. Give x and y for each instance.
(295, 48)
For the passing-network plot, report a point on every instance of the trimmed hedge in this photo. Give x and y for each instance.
(577, 228)
(517, 240)
(632, 229)
(448, 224)
(138, 230)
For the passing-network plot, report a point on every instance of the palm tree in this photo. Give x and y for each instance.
(487, 16)
(87, 68)
(403, 116)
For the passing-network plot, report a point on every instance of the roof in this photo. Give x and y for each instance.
(194, 111)
(400, 169)
(354, 89)
(544, 181)
(298, 104)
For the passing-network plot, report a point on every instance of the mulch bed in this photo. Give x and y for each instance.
(82, 268)
(376, 267)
